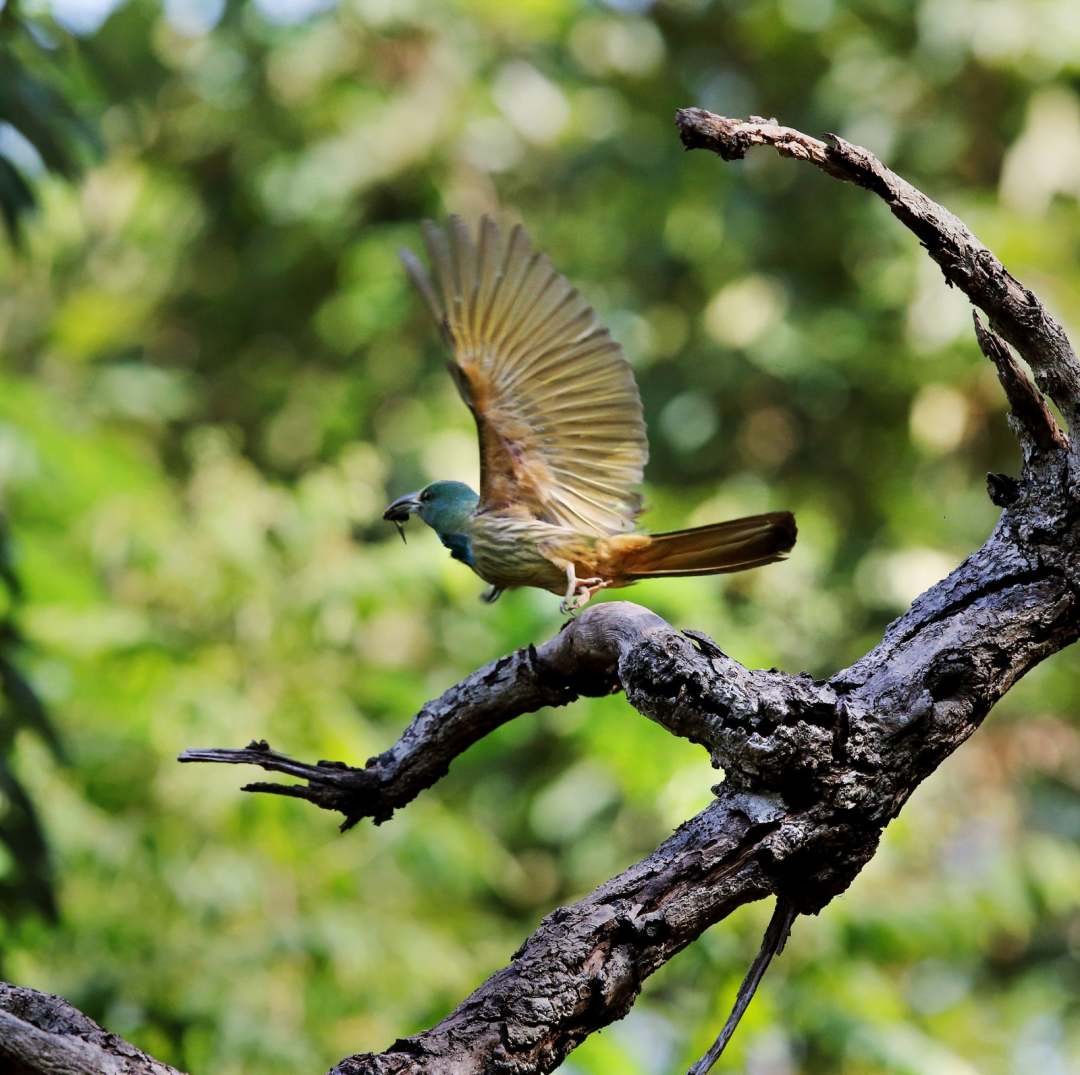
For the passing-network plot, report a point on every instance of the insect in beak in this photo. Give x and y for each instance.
(400, 510)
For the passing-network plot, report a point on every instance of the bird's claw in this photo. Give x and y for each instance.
(583, 592)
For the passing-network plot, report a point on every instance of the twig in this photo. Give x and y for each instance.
(772, 944)
(1014, 311)
(356, 793)
(1036, 428)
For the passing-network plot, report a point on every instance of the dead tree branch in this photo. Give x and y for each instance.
(44, 1035)
(772, 944)
(1031, 420)
(610, 646)
(813, 770)
(1014, 311)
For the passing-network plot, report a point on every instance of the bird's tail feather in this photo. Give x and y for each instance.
(711, 550)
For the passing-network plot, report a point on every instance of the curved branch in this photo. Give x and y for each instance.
(579, 661)
(966, 263)
(610, 646)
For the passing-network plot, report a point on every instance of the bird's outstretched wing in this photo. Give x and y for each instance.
(562, 436)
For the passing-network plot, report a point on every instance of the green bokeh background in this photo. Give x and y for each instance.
(214, 377)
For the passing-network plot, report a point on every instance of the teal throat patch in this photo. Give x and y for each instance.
(460, 547)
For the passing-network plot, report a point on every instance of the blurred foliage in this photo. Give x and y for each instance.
(214, 378)
(26, 880)
(40, 128)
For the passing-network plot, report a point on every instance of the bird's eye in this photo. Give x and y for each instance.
(426, 494)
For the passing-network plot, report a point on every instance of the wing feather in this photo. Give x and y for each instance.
(562, 436)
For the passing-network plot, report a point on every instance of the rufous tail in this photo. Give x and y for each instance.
(711, 550)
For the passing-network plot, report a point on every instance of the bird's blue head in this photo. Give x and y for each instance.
(444, 506)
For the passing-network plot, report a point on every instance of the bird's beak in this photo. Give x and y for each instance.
(398, 512)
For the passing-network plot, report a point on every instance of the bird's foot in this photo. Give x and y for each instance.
(583, 592)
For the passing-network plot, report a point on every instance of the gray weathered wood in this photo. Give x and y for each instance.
(41, 1034)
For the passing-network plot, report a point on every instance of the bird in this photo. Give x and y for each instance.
(561, 432)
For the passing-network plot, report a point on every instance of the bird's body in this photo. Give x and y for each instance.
(562, 437)
(510, 552)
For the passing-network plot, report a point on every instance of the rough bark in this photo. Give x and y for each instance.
(813, 770)
(1014, 311)
(44, 1035)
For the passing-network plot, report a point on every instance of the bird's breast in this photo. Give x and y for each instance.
(517, 552)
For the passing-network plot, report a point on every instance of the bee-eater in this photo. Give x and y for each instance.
(562, 435)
